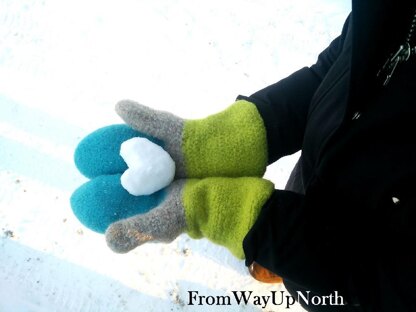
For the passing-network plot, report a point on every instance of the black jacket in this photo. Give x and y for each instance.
(349, 221)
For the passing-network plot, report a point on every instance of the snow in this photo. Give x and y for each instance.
(63, 66)
(150, 167)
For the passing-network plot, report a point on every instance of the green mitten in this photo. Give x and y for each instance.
(231, 143)
(220, 209)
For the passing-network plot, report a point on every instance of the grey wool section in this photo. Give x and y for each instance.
(161, 224)
(159, 124)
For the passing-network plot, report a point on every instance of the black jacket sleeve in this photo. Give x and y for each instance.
(284, 105)
(313, 241)
(288, 241)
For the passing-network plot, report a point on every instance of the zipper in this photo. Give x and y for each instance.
(404, 52)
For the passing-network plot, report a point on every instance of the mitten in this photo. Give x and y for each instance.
(220, 209)
(231, 143)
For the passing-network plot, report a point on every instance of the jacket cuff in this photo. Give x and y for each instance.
(284, 107)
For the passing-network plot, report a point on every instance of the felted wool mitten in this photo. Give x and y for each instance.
(231, 143)
(220, 209)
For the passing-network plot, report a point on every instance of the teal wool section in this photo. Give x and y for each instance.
(103, 200)
(99, 152)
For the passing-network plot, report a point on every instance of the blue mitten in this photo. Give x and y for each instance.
(102, 200)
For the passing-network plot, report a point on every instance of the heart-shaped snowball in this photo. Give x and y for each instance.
(150, 167)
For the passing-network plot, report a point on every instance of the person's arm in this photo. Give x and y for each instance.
(287, 240)
(325, 244)
(284, 105)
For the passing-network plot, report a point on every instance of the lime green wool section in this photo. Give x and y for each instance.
(224, 209)
(231, 143)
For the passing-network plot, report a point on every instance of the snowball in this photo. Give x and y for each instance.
(150, 167)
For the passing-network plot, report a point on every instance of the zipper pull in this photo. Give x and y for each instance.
(390, 65)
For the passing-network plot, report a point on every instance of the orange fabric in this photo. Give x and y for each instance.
(263, 275)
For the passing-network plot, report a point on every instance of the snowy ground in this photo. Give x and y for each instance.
(63, 65)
